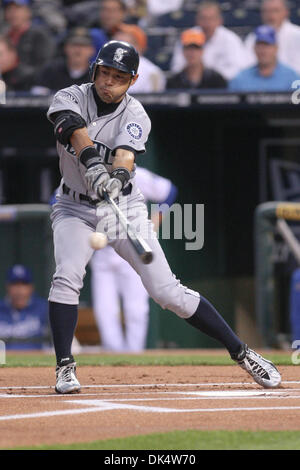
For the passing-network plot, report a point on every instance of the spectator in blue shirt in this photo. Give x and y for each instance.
(23, 315)
(268, 74)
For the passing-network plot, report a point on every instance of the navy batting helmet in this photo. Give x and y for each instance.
(117, 54)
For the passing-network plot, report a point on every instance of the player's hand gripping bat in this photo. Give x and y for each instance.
(140, 246)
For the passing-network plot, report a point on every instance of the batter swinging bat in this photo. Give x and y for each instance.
(140, 246)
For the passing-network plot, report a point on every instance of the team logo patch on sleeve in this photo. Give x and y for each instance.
(134, 130)
(68, 96)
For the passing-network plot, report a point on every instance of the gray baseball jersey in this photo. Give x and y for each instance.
(128, 126)
(74, 219)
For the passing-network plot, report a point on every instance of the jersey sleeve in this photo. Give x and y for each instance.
(134, 132)
(67, 99)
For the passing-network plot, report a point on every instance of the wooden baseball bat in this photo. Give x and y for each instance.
(141, 247)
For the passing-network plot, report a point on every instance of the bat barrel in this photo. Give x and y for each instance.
(147, 257)
(140, 246)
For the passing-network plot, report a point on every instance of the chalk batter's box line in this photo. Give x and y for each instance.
(102, 406)
(180, 396)
(205, 395)
(97, 405)
(207, 384)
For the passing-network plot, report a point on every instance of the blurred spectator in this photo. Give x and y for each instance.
(23, 315)
(137, 10)
(159, 7)
(16, 77)
(35, 46)
(112, 14)
(275, 13)
(81, 13)
(72, 2)
(50, 13)
(151, 78)
(1, 19)
(73, 68)
(195, 74)
(224, 51)
(268, 74)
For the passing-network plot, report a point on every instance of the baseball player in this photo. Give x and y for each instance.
(100, 131)
(113, 279)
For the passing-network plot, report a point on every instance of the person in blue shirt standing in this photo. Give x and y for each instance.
(268, 74)
(23, 314)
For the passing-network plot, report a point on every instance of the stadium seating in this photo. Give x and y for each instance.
(161, 43)
(177, 19)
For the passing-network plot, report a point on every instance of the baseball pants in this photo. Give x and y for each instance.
(73, 223)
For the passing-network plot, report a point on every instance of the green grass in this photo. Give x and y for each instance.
(193, 440)
(165, 359)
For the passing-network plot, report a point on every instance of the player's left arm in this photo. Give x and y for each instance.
(121, 168)
(129, 143)
(124, 158)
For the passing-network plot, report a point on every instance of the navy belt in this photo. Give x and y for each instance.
(83, 197)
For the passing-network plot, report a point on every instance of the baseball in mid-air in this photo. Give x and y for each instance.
(98, 240)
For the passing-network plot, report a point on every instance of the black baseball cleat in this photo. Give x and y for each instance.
(263, 372)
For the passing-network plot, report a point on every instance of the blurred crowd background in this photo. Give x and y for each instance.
(238, 45)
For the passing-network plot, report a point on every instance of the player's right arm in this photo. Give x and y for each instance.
(70, 127)
(80, 139)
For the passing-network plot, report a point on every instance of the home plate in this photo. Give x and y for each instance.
(232, 393)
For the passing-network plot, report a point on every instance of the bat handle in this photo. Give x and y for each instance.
(106, 195)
